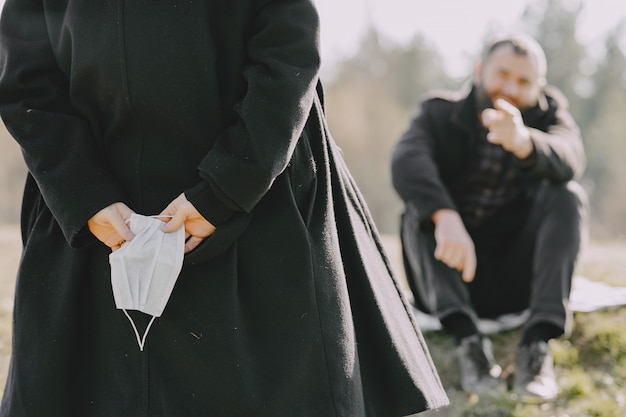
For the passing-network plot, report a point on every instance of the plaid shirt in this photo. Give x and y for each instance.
(492, 183)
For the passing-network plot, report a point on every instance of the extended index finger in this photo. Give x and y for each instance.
(469, 267)
(502, 104)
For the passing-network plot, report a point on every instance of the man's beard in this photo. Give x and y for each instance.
(484, 101)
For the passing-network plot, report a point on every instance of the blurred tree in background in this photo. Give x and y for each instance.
(554, 24)
(594, 83)
(372, 95)
(376, 91)
(368, 104)
(605, 132)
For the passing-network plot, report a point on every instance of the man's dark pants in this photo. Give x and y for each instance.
(529, 269)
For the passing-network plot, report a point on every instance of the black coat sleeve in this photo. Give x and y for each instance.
(559, 152)
(281, 73)
(414, 167)
(36, 108)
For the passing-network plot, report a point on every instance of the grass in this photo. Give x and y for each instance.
(590, 364)
(590, 367)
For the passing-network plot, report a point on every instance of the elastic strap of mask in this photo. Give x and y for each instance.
(140, 340)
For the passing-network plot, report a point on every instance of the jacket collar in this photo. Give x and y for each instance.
(464, 112)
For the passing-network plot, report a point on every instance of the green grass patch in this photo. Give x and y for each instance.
(590, 367)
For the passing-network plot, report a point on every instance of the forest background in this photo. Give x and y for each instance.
(372, 94)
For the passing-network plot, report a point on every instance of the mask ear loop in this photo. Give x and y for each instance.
(141, 341)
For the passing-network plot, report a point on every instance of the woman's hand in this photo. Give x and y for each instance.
(109, 225)
(182, 212)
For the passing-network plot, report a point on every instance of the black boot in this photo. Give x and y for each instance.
(535, 381)
(479, 372)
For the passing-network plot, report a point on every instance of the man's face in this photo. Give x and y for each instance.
(509, 75)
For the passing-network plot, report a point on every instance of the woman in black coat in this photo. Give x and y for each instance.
(209, 111)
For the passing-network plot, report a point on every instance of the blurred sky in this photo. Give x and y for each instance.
(454, 27)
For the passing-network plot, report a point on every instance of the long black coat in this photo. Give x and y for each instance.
(289, 309)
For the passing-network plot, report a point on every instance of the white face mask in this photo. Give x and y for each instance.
(145, 269)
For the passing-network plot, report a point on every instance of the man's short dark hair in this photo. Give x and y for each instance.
(522, 44)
